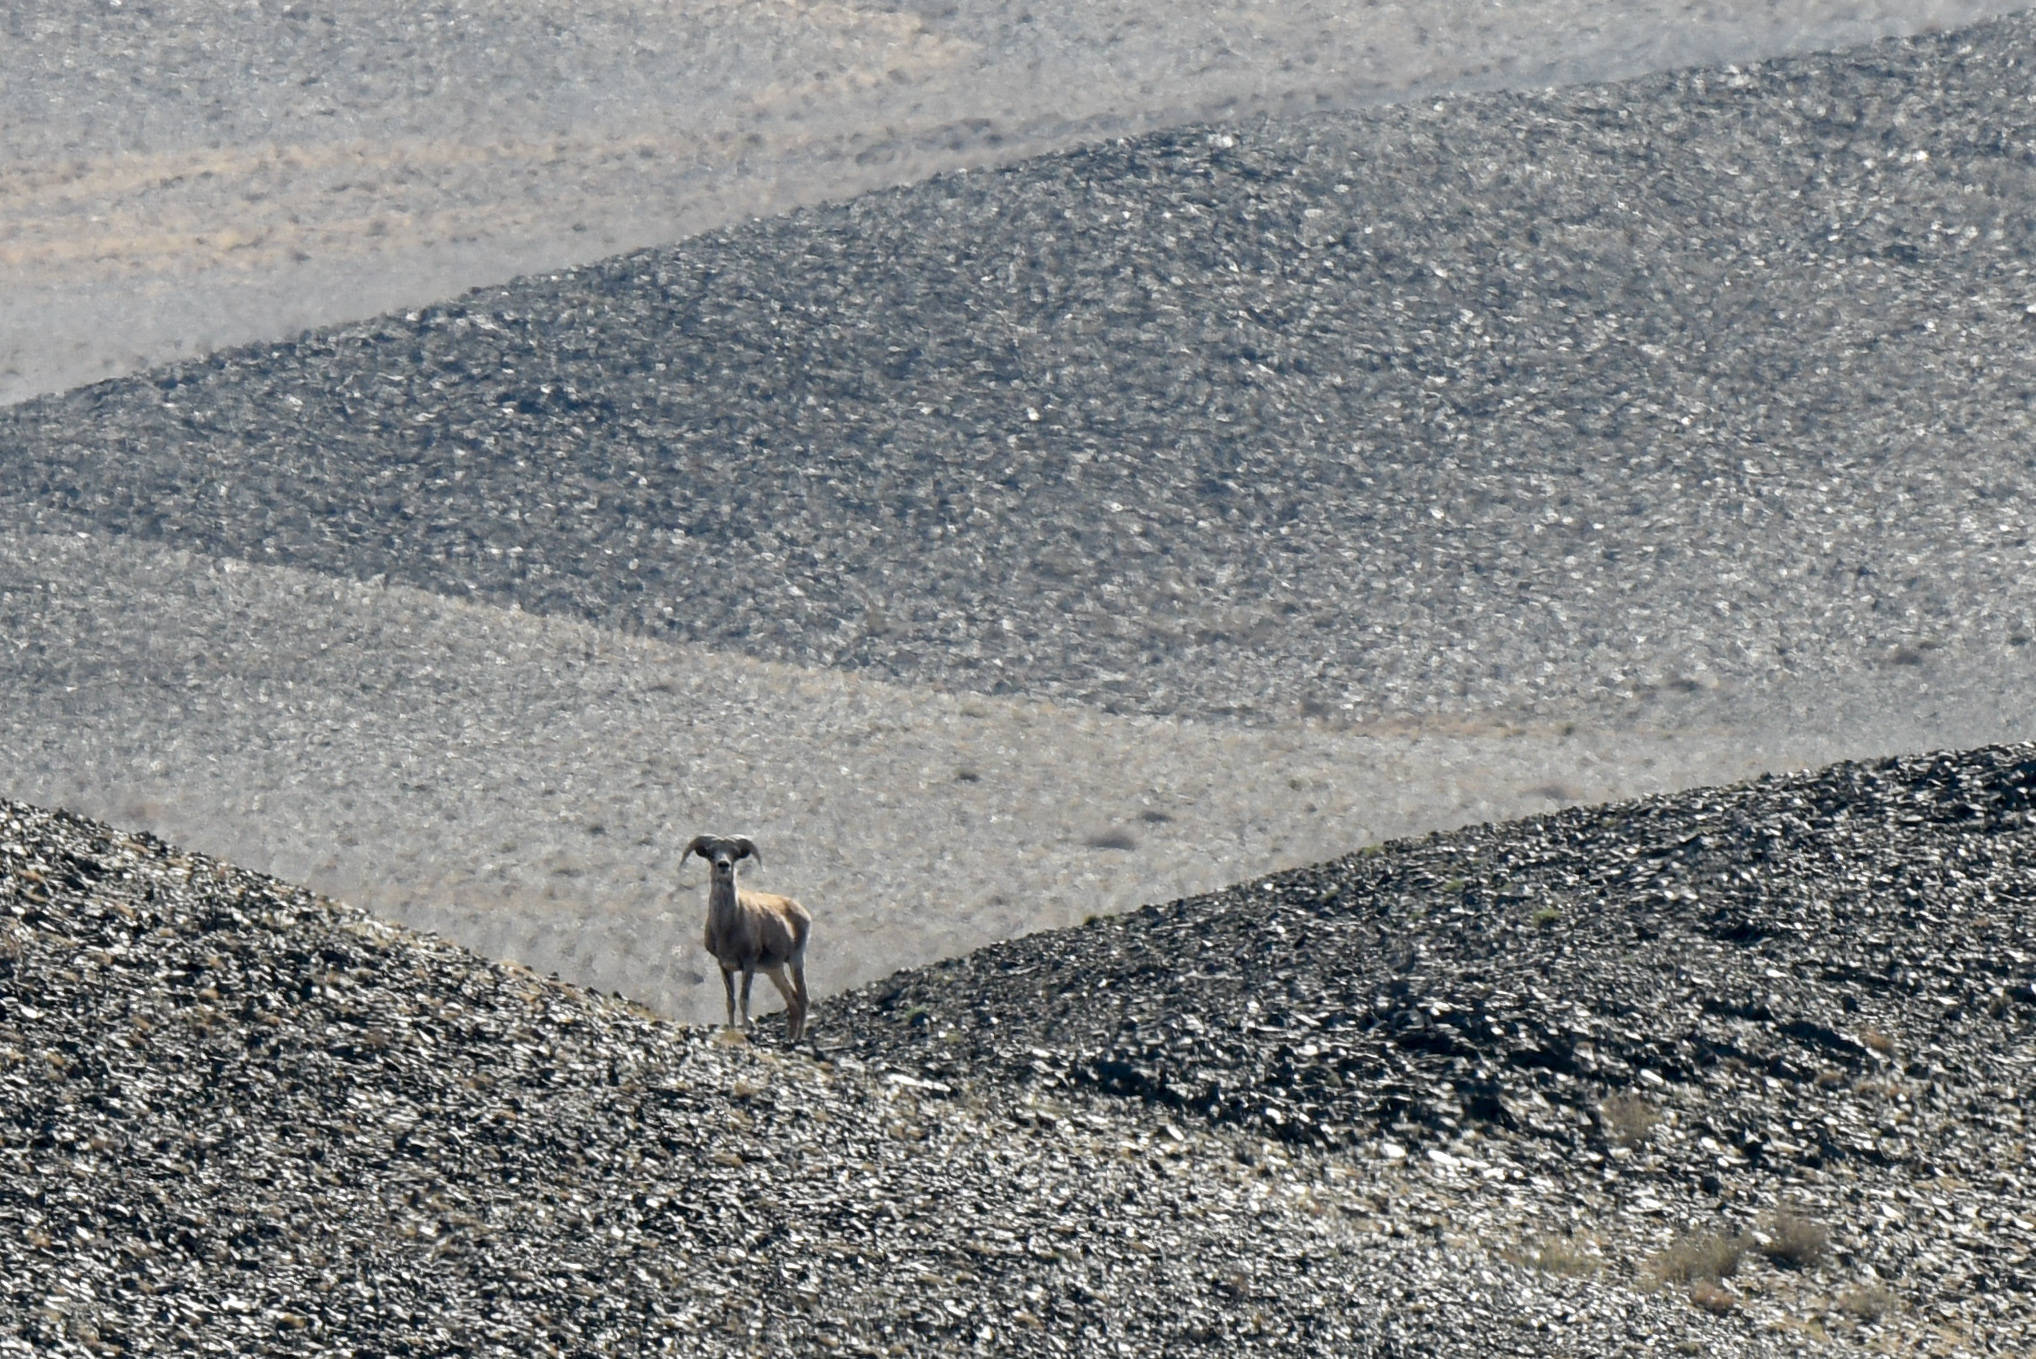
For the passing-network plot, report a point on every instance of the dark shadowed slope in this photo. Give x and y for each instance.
(1508, 400)
(241, 1119)
(1817, 989)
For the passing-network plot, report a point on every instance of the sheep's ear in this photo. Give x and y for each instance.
(745, 848)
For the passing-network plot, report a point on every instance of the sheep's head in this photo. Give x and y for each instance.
(722, 852)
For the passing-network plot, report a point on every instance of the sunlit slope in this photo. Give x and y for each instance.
(184, 176)
(1510, 401)
(526, 783)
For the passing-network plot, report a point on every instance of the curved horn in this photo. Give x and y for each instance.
(745, 848)
(699, 847)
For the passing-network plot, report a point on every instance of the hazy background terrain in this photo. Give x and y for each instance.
(520, 768)
(178, 175)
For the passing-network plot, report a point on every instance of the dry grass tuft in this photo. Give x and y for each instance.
(1699, 1256)
(1627, 1119)
(1796, 1239)
(1713, 1297)
(1562, 1255)
(1868, 1302)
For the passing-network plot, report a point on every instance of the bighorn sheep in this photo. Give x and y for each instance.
(749, 932)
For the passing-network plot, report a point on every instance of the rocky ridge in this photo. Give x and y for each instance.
(1763, 1049)
(241, 1119)
(1525, 401)
(1817, 989)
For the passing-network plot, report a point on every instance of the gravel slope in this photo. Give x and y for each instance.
(1812, 991)
(1518, 401)
(524, 784)
(240, 1118)
(1609, 603)
(243, 1117)
(180, 175)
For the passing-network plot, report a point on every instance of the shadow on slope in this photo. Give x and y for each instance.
(1776, 946)
(235, 1116)
(1498, 401)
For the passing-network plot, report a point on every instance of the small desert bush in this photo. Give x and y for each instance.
(1795, 1238)
(1699, 1256)
(1868, 1302)
(1714, 1298)
(1628, 1119)
(1555, 1255)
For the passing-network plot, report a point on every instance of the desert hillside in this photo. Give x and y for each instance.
(1104, 527)
(1341, 673)
(182, 176)
(1735, 1071)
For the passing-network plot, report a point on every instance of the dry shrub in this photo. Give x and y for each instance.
(1713, 1298)
(1878, 1041)
(1795, 1238)
(1868, 1302)
(1628, 1119)
(1700, 1256)
(1556, 1255)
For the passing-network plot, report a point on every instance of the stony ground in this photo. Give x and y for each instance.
(524, 784)
(240, 1119)
(183, 175)
(1395, 525)
(1738, 1071)
(1531, 401)
(1376, 470)
(1733, 1012)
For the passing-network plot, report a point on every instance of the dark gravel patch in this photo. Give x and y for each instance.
(1820, 985)
(236, 1119)
(1505, 400)
(1755, 931)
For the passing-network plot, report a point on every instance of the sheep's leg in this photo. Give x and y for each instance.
(799, 981)
(748, 975)
(728, 985)
(795, 1000)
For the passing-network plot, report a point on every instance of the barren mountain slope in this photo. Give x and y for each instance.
(183, 175)
(240, 1118)
(1542, 1087)
(1804, 1001)
(1510, 401)
(1375, 447)
(524, 783)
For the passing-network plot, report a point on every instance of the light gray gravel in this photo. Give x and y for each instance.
(182, 175)
(525, 784)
